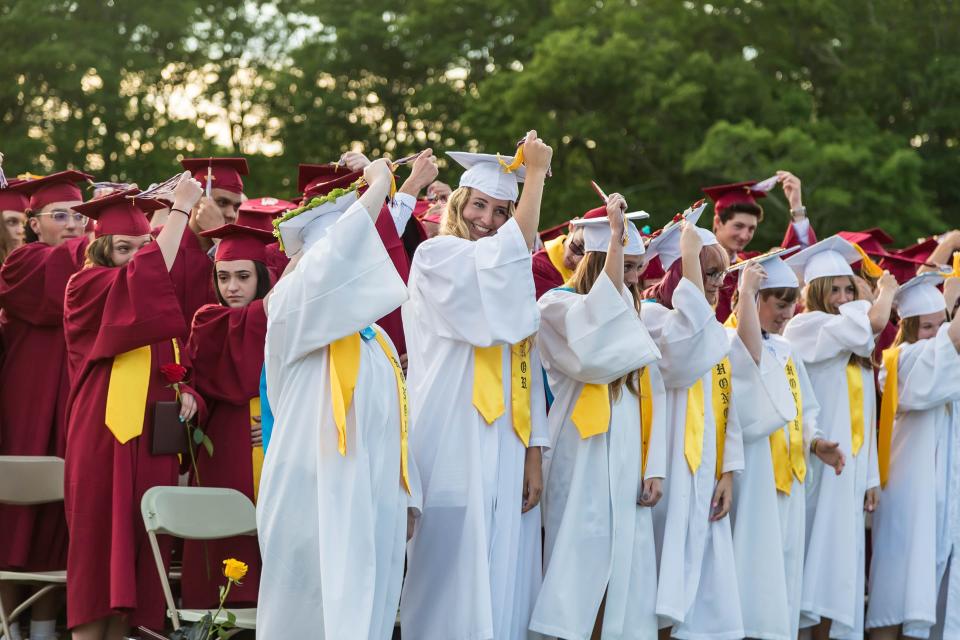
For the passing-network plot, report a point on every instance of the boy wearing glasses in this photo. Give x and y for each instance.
(33, 378)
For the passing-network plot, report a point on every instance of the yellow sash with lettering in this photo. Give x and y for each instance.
(256, 452)
(344, 359)
(791, 463)
(888, 411)
(554, 249)
(694, 422)
(855, 394)
(488, 392)
(127, 392)
(646, 417)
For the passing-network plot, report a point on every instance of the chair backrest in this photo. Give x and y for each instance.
(31, 479)
(198, 513)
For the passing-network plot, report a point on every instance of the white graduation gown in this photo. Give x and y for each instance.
(909, 548)
(598, 539)
(474, 563)
(332, 528)
(834, 563)
(768, 526)
(697, 586)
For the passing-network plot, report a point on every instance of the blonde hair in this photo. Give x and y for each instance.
(453, 223)
(816, 298)
(99, 252)
(584, 276)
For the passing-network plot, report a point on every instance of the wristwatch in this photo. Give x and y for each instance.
(799, 212)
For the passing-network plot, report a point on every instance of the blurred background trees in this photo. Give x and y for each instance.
(652, 98)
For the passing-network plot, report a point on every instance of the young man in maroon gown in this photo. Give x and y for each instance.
(33, 378)
(226, 349)
(121, 321)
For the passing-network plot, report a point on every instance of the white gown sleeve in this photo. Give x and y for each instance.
(539, 427)
(689, 337)
(820, 336)
(811, 408)
(657, 451)
(343, 283)
(928, 374)
(733, 443)
(401, 208)
(593, 338)
(479, 292)
(766, 403)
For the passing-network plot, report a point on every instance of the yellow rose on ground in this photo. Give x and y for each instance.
(234, 569)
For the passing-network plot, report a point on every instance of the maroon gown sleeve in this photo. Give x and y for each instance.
(226, 349)
(791, 239)
(545, 275)
(192, 277)
(662, 291)
(34, 277)
(112, 310)
(392, 323)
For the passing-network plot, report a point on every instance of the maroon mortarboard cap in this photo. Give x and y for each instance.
(56, 187)
(238, 242)
(12, 199)
(120, 213)
(224, 172)
(259, 213)
(870, 240)
(919, 251)
(553, 232)
(599, 212)
(421, 207)
(653, 269)
(901, 268)
(320, 179)
(725, 195)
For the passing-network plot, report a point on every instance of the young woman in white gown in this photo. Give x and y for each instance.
(478, 407)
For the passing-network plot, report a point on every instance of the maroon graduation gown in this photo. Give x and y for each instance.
(401, 257)
(192, 277)
(109, 311)
(226, 349)
(33, 391)
(545, 275)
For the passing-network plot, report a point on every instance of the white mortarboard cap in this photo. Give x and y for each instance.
(485, 173)
(667, 244)
(828, 258)
(779, 275)
(920, 296)
(303, 230)
(596, 233)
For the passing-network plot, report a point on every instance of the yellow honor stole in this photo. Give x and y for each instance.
(127, 392)
(257, 452)
(554, 249)
(731, 321)
(646, 417)
(855, 394)
(488, 393)
(888, 411)
(789, 464)
(344, 369)
(693, 423)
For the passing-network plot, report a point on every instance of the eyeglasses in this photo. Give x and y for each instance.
(576, 248)
(60, 216)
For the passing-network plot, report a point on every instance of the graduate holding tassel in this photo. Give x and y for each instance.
(226, 348)
(478, 405)
(697, 594)
(913, 588)
(332, 510)
(835, 337)
(769, 507)
(608, 435)
(122, 322)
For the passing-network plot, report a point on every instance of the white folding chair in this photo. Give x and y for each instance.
(197, 513)
(30, 480)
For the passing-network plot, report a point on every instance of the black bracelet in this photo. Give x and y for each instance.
(180, 211)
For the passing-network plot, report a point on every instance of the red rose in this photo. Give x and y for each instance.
(173, 372)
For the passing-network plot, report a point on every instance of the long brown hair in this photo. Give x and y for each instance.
(815, 298)
(99, 251)
(452, 223)
(584, 276)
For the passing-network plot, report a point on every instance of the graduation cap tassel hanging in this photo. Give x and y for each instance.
(870, 268)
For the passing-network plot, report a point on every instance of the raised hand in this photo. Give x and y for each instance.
(536, 153)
